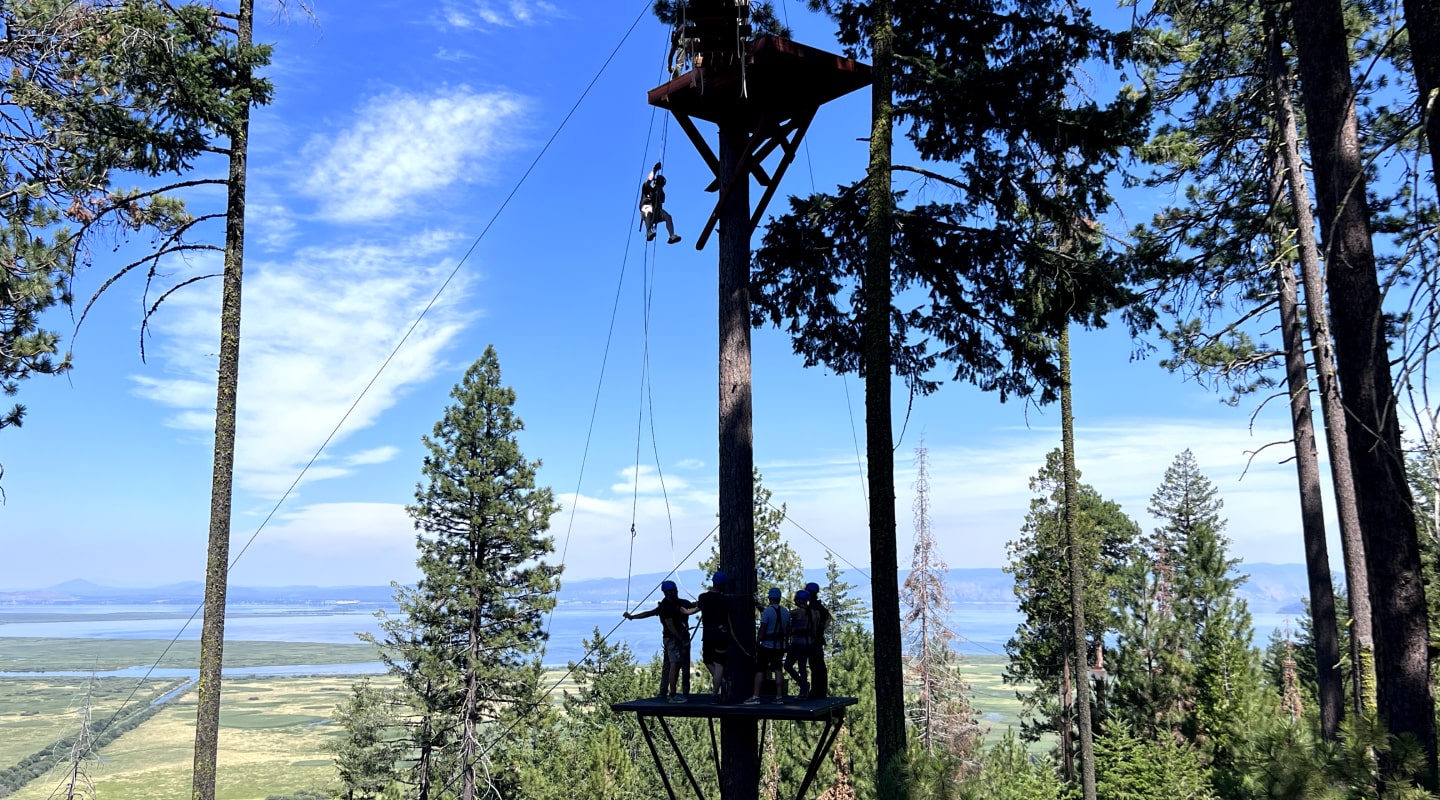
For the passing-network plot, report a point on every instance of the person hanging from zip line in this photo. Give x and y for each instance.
(672, 611)
(714, 630)
(652, 206)
(798, 653)
(774, 625)
(820, 619)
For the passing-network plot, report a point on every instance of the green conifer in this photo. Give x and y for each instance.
(475, 621)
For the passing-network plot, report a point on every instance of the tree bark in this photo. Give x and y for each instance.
(217, 557)
(879, 440)
(1329, 682)
(739, 741)
(1078, 570)
(1332, 408)
(1422, 23)
(1392, 549)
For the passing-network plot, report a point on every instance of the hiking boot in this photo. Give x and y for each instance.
(650, 237)
(673, 240)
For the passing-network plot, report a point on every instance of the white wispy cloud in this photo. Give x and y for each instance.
(979, 497)
(647, 480)
(315, 331)
(404, 147)
(481, 14)
(375, 455)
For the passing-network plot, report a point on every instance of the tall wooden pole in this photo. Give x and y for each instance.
(879, 439)
(739, 742)
(217, 561)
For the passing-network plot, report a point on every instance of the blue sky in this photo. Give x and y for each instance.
(395, 135)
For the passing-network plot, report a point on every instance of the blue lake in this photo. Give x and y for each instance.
(984, 627)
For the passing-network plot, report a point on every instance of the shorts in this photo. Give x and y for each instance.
(677, 651)
(768, 659)
(714, 652)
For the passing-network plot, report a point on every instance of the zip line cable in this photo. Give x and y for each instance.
(391, 357)
(600, 381)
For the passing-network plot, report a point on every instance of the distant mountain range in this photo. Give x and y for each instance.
(1272, 588)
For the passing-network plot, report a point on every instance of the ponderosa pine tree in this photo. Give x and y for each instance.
(1042, 644)
(985, 86)
(1226, 256)
(95, 93)
(477, 612)
(1405, 697)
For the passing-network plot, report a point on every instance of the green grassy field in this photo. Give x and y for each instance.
(272, 741)
(35, 654)
(34, 711)
(273, 729)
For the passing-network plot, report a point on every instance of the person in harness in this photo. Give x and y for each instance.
(715, 630)
(820, 619)
(774, 627)
(675, 628)
(652, 206)
(801, 640)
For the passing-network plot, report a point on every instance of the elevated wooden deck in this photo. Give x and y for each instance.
(780, 78)
(704, 706)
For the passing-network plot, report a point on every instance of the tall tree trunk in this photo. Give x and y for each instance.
(739, 738)
(1063, 724)
(1392, 549)
(217, 557)
(1332, 408)
(425, 760)
(1329, 681)
(1422, 22)
(469, 709)
(1078, 571)
(879, 440)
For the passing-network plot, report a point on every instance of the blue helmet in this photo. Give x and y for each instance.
(667, 586)
(774, 593)
(801, 596)
(813, 588)
(718, 577)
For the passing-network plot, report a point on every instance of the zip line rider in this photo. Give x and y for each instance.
(672, 611)
(652, 206)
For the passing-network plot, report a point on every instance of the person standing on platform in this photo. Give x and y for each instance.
(672, 611)
(714, 630)
(774, 624)
(798, 653)
(820, 619)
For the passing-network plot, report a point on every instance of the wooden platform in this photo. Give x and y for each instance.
(781, 76)
(704, 706)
